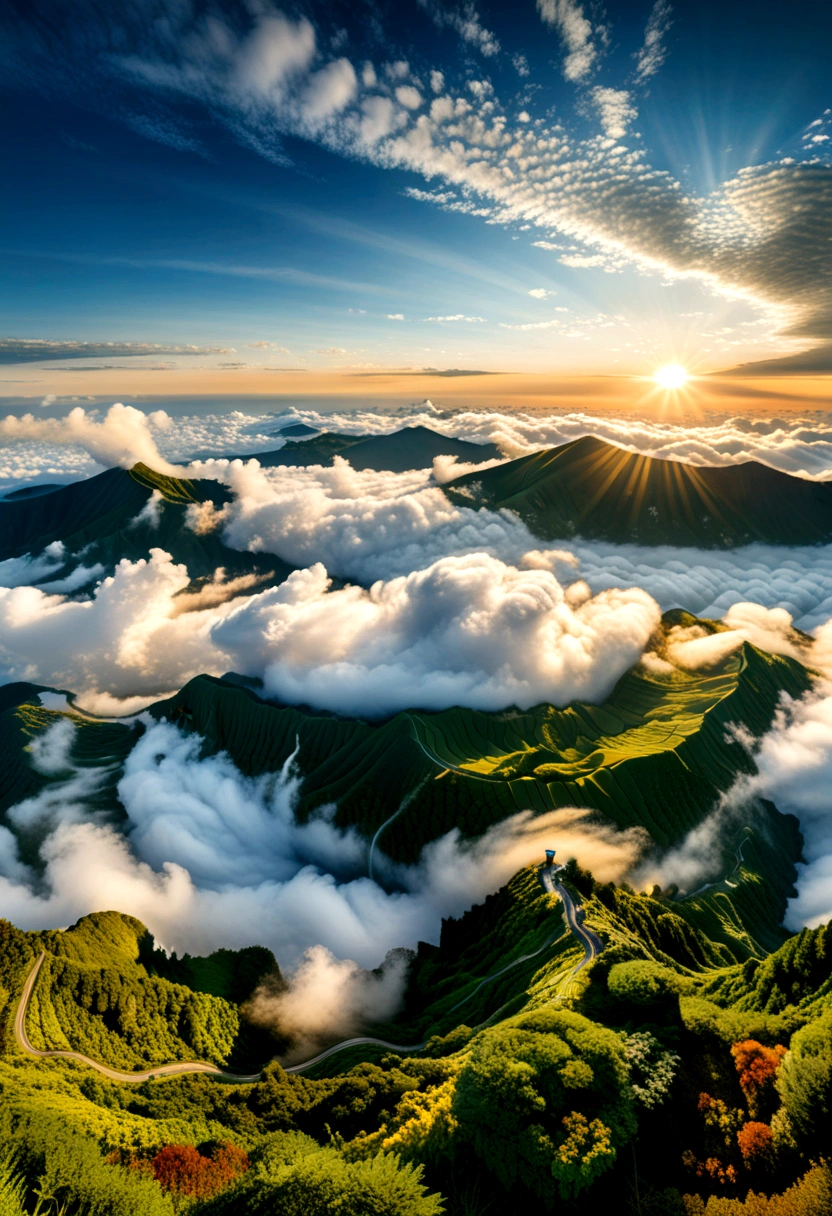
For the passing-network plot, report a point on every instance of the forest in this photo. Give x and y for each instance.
(667, 1078)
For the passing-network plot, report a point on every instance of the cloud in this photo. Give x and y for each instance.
(615, 110)
(540, 293)
(123, 437)
(125, 642)
(577, 35)
(466, 21)
(328, 92)
(211, 858)
(465, 631)
(409, 97)
(763, 236)
(328, 998)
(21, 571)
(456, 317)
(36, 350)
(653, 51)
(395, 316)
(816, 361)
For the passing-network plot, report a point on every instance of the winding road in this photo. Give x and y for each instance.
(134, 1078)
(591, 943)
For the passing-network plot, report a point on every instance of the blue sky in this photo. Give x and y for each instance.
(227, 176)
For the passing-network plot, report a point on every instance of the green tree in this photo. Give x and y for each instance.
(804, 1082)
(520, 1082)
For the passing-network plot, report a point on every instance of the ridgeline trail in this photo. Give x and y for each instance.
(591, 943)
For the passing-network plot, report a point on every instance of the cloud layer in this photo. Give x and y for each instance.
(210, 858)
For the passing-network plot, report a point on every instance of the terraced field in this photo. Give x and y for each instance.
(593, 489)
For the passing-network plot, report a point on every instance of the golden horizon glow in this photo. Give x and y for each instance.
(672, 376)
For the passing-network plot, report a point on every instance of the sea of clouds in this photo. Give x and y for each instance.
(210, 858)
(87, 440)
(443, 605)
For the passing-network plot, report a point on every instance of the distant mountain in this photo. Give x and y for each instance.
(31, 491)
(413, 447)
(296, 430)
(103, 516)
(593, 489)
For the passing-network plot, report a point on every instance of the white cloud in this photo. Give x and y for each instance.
(465, 631)
(275, 51)
(540, 293)
(395, 316)
(327, 92)
(211, 858)
(125, 435)
(615, 109)
(577, 34)
(653, 51)
(408, 96)
(458, 316)
(466, 21)
(378, 119)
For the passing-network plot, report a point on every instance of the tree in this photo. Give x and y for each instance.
(182, 1169)
(756, 1143)
(524, 1077)
(756, 1067)
(804, 1083)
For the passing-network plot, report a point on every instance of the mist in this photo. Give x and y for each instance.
(209, 858)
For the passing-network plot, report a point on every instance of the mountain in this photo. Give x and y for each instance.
(592, 489)
(31, 491)
(693, 1048)
(655, 755)
(413, 447)
(103, 516)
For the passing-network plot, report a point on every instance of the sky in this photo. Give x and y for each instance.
(238, 198)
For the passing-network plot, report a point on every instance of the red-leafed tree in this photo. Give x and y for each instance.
(182, 1169)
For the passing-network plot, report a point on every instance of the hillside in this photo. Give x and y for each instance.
(705, 1074)
(592, 489)
(413, 447)
(103, 517)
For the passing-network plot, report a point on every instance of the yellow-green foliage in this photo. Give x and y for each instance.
(522, 1079)
(94, 996)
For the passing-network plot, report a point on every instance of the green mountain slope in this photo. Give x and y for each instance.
(413, 447)
(655, 754)
(99, 516)
(592, 489)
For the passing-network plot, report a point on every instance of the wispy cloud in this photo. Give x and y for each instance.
(36, 350)
(653, 51)
(466, 21)
(458, 316)
(764, 235)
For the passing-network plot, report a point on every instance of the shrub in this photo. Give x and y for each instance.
(520, 1081)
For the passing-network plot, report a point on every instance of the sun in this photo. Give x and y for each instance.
(671, 376)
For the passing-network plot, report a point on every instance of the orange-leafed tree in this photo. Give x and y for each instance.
(756, 1067)
(756, 1143)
